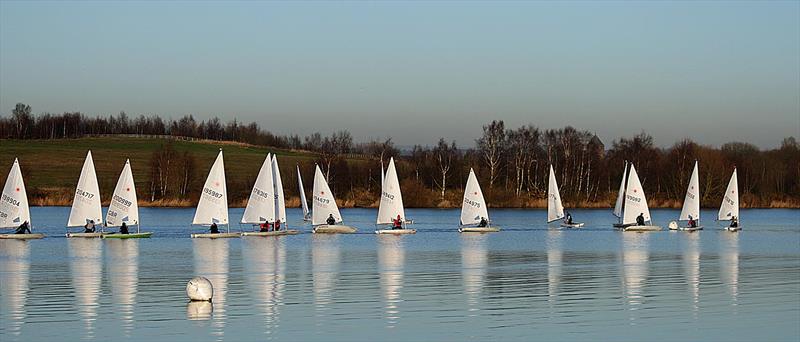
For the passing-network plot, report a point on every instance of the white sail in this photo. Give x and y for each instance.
(14, 209)
(730, 202)
(383, 174)
(474, 205)
(86, 204)
(555, 210)
(324, 204)
(261, 205)
(213, 204)
(123, 206)
(303, 200)
(391, 199)
(691, 204)
(635, 201)
(280, 202)
(621, 194)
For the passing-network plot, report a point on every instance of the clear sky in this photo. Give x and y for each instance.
(712, 71)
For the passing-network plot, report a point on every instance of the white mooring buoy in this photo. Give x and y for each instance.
(200, 288)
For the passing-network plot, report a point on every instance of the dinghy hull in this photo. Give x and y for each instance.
(642, 228)
(396, 231)
(574, 225)
(145, 235)
(621, 225)
(479, 229)
(85, 235)
(733, 229)
(216, 236)
(690, 229)
(22, 236)
(334, 229)
(278, 233)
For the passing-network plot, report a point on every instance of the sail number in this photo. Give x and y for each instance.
(635, 199)
(322, 200)
(388, 195)
(8, 199)
(472, 203)
(122, 201)
(728, 200)
(212, 193)
(82, 193)
(260, 192)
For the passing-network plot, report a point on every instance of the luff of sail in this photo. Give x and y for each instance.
(621, 193)
(474, 206)
(691, 203)
(635, 200)
(391, 199)
(261, 204)
(303, 200)
(280, 203)
(213, 204)
(730, 202)
(14, 209)
(86, 204)
(123, 206)
(555, 210)
(324, 204)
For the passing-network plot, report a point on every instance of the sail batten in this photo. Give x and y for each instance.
(261, 204)
(86, 203)
(14, 206)
(123, 206)
(324, 204)
(635, 200)
(555, 209)
(391, 198)
(473, 207)
(730, 202)
(691, 203)
(213, 204)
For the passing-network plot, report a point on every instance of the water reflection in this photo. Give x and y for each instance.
(473, 268)
(265, 263)
(730, 264)
(14, 271)
(325, 269)
(211, 261)
(635, 268)
(554, 261)
(391, 258)
(86, 264)
(199, 310)
(123, 271)
(691, 268)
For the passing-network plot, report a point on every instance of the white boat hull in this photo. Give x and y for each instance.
(396, 231)
(479, 229)
(574, 225)
(334, 229)
(278, 233)
(642, 228)
(216, 236)
(733, 229)
(22, 236)
(85, 235)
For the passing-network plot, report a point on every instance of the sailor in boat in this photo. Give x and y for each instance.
(89, 227)
(330, 221)
(123, 229)
(692, 222)
(214, 229)
(397, 223)
(568, 218)
(483, 223)
(277, 226)
(263, 227)
(24, 228)
(734, 222)
(640, 219)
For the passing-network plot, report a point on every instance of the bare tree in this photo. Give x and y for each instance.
(491, 145)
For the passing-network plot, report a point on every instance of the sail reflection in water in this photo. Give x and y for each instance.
(691, 267)
(86, 264)
(123, 272)
(729, 261)
(391, 258)
(211, 261)
(635, 268)
(265, 263)
(554, 261)
(325, 267)
(14, 271)
(473, 268)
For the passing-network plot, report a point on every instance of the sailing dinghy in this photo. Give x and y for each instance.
(729, 210)
(691, 205)
(86, 204)
(324, 206)
(635, 205)
(14, 209)
(473, 208)
(213, 205)
(268, 204)
(123, 207)
(621, 198)
(303, 200)
(555, 210)
(391, 203)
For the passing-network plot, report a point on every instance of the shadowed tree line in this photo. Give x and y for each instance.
(511, 163)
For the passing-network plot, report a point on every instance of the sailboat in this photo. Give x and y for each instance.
(303, 200)
(729, 210)
(473, 208)
(123, 207)
(621, 198)
(267, 205)
(555, 210)
(14, 209)
(691, 205)
(324, 206)
(635, 205)
(391, 205)
(213, 205)
(86, 204)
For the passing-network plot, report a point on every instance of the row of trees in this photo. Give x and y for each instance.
(511, 162)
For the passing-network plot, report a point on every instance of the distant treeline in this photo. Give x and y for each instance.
(511, 163)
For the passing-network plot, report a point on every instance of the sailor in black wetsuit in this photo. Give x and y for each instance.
(214, 229)
(24, 228)
(330, 221)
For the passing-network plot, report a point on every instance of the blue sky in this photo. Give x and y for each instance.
(712, 71)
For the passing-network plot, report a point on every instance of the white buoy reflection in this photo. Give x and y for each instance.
(211, 261)
(15, 274)
(86, 264)
(391, 258)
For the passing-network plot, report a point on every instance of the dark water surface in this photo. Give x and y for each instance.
(527, 282)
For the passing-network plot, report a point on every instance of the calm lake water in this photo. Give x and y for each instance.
(529, 281)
